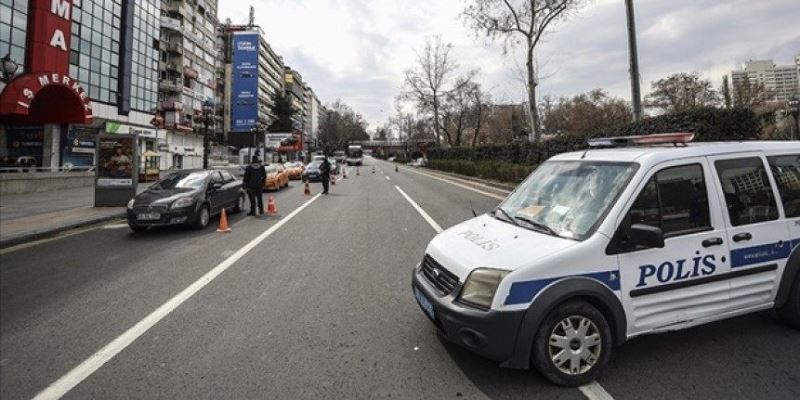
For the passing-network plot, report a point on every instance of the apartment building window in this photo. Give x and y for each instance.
(95, 47)
(13, 24)
(144, 78)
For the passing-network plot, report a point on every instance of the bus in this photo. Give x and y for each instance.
(355, 156)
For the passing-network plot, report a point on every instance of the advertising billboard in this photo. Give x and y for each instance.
(115, 161)
(244, 97)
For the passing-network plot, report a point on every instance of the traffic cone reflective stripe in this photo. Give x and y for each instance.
(272, 208)
(223, 223)
(373, 169)
(307, 190)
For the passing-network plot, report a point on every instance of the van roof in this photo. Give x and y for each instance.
(655, 154)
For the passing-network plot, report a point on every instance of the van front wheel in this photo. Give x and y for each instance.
(573, 344)
(790, 312)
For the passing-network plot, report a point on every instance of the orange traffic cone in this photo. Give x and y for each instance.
(373, 169)
(396, 168)
(223, 223)
(307, 190)
(358, 171)
(272, 208)
(333, 180)
(344, 173)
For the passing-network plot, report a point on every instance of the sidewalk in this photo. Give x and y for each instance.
(32, 216)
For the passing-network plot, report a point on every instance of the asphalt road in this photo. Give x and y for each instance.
(321, 308)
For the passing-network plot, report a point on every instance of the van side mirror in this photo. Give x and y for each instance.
(646, 236)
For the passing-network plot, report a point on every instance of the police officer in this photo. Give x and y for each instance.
(325, 174)
(254, 177)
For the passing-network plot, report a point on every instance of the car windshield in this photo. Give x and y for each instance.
(314, 164)
(271, 169)
(566, 198)
(293, 165)
(193, 180)
(339, 154)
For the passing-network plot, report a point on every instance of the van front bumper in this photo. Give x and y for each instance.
(491, 334)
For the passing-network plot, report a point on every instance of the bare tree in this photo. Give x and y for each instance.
(749, 94)
(341, 124)
(519, 23)
(681, 92)
(425, 83)
(584, 114)
(437, 90)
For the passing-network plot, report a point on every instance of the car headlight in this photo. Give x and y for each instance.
(130, 204)
(183, 202)
(481, 285)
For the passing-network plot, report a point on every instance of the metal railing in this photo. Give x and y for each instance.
(33, 169)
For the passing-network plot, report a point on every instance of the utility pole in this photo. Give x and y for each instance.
(636, 92)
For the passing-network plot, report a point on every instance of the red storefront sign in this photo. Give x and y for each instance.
(46, 93)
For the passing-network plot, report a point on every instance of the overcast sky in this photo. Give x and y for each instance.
(357, 50)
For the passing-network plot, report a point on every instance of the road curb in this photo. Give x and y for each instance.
(48, 233)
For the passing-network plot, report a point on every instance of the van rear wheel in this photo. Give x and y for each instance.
(573, 344)
(790, 312)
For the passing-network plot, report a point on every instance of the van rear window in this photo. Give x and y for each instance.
(786, 171)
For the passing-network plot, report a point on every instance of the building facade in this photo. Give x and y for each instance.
(781, 81)
(188, 64)
(95, 59)
(296, 91)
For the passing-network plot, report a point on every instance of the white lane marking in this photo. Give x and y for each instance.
(421, 212)
(387, 178)
(95, 361)
(593, 391)
(116, 226)
(472, 189)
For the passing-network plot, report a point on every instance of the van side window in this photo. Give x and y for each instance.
(675, 200)
(748, 193)
(786, 171)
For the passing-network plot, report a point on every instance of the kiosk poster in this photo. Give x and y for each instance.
(115, 161)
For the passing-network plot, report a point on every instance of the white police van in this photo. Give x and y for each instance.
(636, 235)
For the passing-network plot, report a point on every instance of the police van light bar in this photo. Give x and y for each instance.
(656, 138)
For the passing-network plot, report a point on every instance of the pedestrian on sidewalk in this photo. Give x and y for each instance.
(325, 174)
(254, 178)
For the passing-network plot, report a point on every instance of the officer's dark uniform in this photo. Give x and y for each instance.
(254, 179)
(325, 175)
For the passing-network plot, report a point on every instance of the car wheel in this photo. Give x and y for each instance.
(790, 312)
(203, 217)
(239, 207)
(137, 229)
(573, 344)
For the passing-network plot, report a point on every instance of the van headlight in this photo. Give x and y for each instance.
(130, 204)
(183, 202)
(481, 285)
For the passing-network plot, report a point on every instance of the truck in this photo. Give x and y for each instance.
(355, 155)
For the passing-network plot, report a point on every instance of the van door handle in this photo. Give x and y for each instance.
(712, 242)
(739, 237)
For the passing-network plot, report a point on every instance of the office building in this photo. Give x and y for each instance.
(780, 81)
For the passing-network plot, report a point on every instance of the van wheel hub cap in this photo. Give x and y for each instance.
(575, 344)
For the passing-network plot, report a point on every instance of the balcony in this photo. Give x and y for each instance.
(190, 73)
(171, 105)
(175, 47)
(170, 85)
(171, 23)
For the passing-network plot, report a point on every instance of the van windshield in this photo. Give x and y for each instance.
(566, 198)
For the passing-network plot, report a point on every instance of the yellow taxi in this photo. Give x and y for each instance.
(295, 170)
(277, 177)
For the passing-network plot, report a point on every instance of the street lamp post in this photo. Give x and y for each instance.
(208, 120)
(794, 110)
(8, 68)
(257, 129)
(636, 92)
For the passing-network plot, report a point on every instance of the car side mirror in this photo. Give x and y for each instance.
(646, 236)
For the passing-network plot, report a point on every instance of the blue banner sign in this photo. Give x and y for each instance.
(244, 101)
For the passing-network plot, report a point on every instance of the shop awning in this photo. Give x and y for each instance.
(44, 98)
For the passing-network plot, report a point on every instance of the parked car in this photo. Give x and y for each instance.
(295, 169)
(277, 177)
(334, 166)
(340, 156)
(419, 162)
(311, 172)
(188, 198)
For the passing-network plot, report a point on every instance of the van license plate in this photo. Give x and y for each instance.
(148, 216)
(424, 303)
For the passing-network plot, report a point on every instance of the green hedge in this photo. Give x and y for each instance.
(708, 124)
(494, 170)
